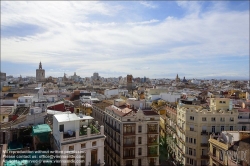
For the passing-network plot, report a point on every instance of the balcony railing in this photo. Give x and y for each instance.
(204, 144)
(152, 131)
(129, 144)
(152, 154)
(152, 141)
(204, 157)
(204, 133)
(69, 136)
(128, 156)
(129, 133)
(117, 152)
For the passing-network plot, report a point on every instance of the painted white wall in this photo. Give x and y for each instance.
(170, 97)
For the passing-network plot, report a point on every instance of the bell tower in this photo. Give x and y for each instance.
(40, 73)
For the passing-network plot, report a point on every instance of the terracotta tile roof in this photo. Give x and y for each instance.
(243, 110)
(149, 112)
(121, 111)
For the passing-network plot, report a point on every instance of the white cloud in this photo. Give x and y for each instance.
(148, 4)
(74, 38)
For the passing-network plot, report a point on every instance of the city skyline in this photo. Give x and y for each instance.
(152, 39)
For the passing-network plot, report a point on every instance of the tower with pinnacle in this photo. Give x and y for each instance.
(40, 73)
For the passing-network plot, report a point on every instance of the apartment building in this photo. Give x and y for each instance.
(132, 136)
(80, 139)
(230, 148)
(196, 123)
(244, 119)
(171, 139)
(99, 109)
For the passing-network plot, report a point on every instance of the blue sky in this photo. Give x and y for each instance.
(197, 39)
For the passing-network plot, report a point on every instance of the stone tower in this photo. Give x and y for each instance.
(40, 73)
(129, 82)
(177, 79)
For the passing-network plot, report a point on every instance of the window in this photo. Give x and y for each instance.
(190, 151)
(139, 151)
(139, 129)
(240, 117)
(222, 128)
(244, 128)
(191, 128)
(83, 145)
(213, 129)
(190, 140)
(61, 128)
(224, 102)
(231, 119)
(191, 161)
(71, 148)
(204, 119)
(221, 155)
(194, 141)
(213, 119)
(231, 128)
(194, 152)
(222, 119)
(186, 139)
(202, 152)
(94, 143)
(139, 140)
(191, 118)
(139, 162)
(3, 117)
(128, 120)
(220, 101)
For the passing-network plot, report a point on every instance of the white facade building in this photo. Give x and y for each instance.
(80, 138)
(170, 97)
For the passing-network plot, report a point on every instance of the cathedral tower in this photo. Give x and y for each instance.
(40, 73)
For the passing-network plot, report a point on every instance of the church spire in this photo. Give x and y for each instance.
(40, 65)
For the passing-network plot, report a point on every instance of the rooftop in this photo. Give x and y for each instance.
(243, 110)
(102, 105)
(71, 117)
(43, 128)
(5, 109)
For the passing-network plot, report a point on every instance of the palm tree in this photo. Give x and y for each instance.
(164, 149)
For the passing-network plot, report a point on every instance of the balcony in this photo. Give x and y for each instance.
(204, 133)
(69, 135)
(117, 130)
(204, 157)
(181, 129)
(126, 144)
(129, 133)
(153, 151)
(153, 154)
(117, 152)
(152, 140)
(129, 157)
(152, 129)
(204, 144)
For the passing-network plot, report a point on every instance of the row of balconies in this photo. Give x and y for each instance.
(116, 159)
(113, 127)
